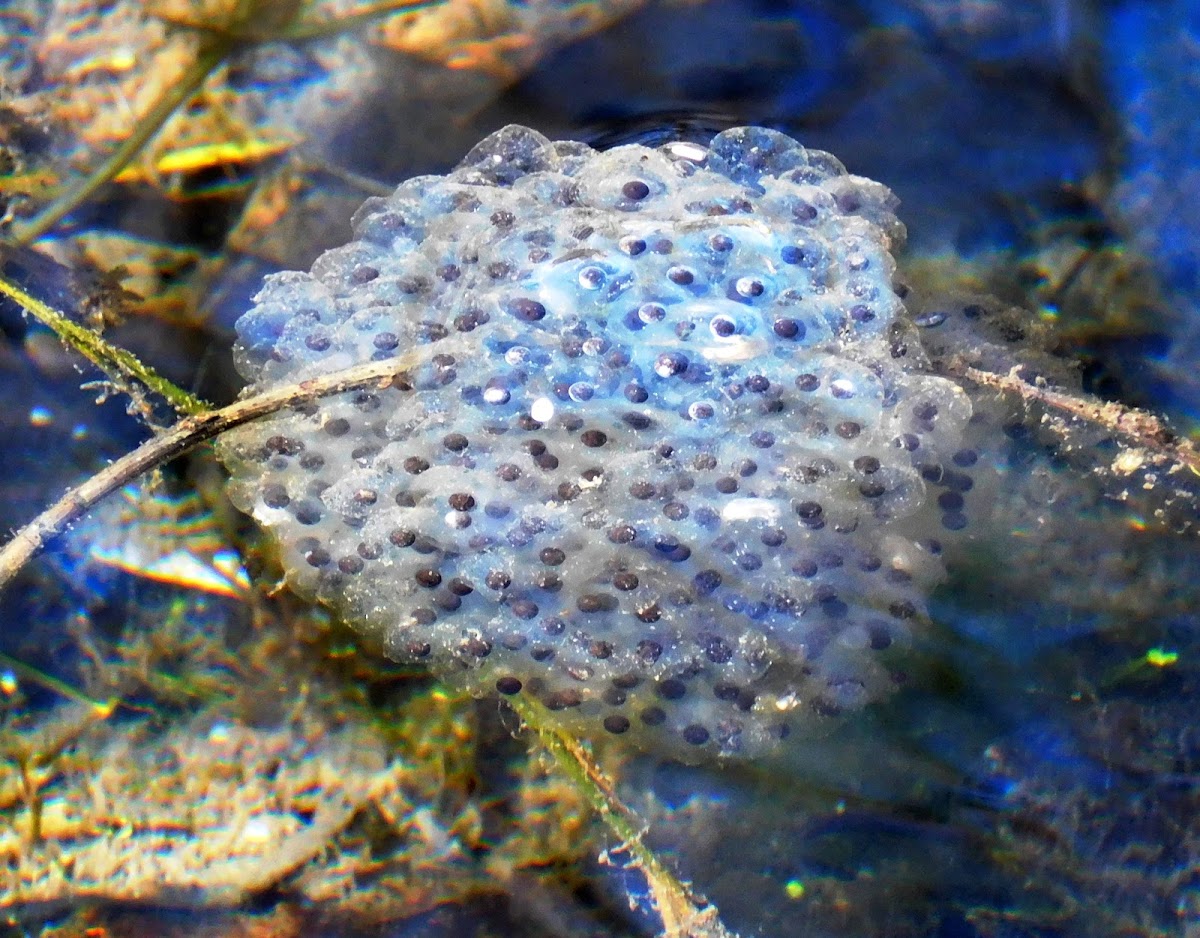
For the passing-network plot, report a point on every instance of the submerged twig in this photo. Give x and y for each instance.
(252, 22)
(185, 436)
(1136, 427)
(302, 31)
(683, 914)
(179, 92)
(116, 362)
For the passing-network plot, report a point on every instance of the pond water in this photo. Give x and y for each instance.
(955, 701)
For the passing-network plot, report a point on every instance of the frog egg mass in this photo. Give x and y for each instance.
(669, 462)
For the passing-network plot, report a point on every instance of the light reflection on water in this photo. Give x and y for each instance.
(1038, 774)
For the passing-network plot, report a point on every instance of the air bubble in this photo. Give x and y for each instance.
(542, 410)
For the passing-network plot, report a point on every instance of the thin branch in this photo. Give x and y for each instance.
(185, 436)
(683, 915)
(255, 21)
(281, 21)
(302, 31)
(179, 92)
(1136, 427)
(116, 362)
(312, 159)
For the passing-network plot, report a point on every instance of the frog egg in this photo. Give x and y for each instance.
(645, 468)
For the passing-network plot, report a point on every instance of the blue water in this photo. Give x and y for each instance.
(1039, 774)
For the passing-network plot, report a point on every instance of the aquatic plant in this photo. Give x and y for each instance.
(221, 33)
(953, 360)
(497, 38)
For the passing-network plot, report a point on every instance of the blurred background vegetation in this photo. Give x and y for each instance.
(186, 750)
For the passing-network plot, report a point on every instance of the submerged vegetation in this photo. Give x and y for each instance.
(363, 810)
(191, 741)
